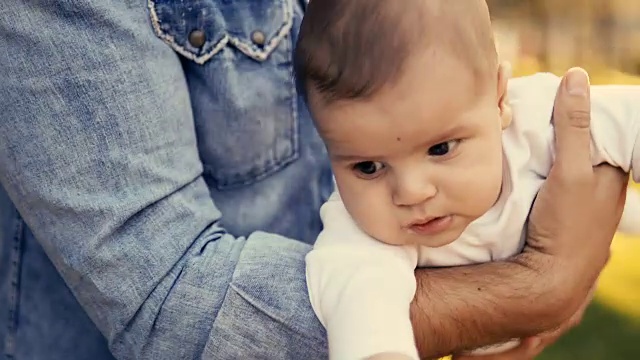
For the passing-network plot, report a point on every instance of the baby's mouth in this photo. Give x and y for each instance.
(431, 225)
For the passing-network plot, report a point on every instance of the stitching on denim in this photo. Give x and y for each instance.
(14, 288)
(282, 32)
(242, 46)
(245, 180)
(169, 39)
(295, 128)
(249, 299)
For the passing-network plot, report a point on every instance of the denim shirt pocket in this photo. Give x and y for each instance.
(239, 69)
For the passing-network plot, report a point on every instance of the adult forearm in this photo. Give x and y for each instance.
(471, 306)
(99, 155)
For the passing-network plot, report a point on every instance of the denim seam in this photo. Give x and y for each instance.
(246, 297)
(14, 288)
(239, 44)
(294, 110)
(267, 171)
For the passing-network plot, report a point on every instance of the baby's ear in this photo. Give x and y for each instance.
(504, 74)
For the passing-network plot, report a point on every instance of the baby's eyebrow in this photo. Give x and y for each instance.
(354, 158)
(446, 134)
(456, 130)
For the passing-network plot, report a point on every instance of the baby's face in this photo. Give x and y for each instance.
(420, 160)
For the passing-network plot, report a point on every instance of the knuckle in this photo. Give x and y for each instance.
(575, 322)
(579, 118)
(577, 177)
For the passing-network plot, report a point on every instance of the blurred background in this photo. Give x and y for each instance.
(603, 36)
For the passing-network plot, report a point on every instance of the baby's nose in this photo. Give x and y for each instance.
(411, 192)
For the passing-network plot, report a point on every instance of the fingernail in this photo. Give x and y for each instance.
(577, 82)
(534, 343)
(508, 69)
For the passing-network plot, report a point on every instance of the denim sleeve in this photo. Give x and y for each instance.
(98, 152)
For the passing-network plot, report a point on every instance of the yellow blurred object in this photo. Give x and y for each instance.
(619, 283)
(612, 76)
(598, 75)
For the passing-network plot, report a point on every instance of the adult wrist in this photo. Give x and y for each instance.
(560, 288)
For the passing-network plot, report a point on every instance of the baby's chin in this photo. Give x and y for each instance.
(437, 241)
(409, 239)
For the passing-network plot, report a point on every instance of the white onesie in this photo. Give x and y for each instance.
(361, 289)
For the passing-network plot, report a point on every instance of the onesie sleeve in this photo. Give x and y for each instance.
(615, 126)
(615, 111)
(360, 289)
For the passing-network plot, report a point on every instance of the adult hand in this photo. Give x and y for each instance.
(577, 211)
(574, 217)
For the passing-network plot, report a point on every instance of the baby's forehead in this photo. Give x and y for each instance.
(393, 122)
(352, 48)
(462, 28)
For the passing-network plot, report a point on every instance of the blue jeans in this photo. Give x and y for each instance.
(155, 163)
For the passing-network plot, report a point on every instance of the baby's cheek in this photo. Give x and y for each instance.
(480, 189)
(372, 214)
(489, 190)
(379, 224)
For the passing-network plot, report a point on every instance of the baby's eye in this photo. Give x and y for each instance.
(444, 148)
(368, 168)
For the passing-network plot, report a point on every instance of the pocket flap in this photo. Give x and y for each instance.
(255, 27)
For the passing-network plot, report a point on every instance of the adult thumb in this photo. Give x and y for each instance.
(572, 122)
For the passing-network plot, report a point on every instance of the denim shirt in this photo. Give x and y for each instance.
(156, 164)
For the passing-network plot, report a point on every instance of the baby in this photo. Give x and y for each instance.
(437, 156)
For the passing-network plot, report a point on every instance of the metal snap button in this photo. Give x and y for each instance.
(258, 37)
(197, 38)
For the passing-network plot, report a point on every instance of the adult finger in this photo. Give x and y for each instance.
(548, 338)
(572, 120)
(527, 350)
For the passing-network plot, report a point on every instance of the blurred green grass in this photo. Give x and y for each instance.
(610, 329)
(603, 334)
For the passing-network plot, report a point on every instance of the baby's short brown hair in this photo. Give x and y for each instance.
(349, 49)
